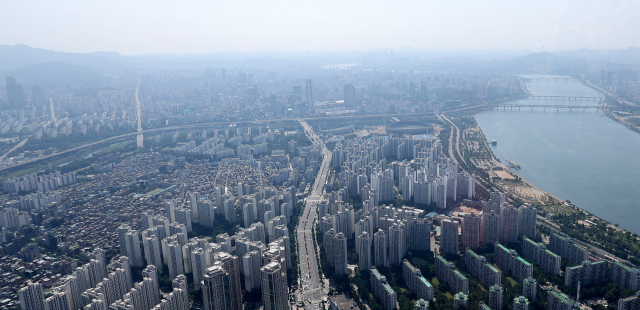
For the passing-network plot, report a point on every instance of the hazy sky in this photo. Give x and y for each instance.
(204, 26)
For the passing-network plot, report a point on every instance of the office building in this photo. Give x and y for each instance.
(309, 92)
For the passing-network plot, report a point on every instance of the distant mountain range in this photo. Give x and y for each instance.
(39, 66)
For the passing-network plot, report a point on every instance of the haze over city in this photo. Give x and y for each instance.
(201, 27)
(361, 155)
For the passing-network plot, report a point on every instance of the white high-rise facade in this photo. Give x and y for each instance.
(364, 251)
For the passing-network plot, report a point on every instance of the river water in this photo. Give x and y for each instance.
(582, 156)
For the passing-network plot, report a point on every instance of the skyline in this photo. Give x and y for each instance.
(177, 29)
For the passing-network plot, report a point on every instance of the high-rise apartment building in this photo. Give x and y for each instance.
(520, 303)
(588, 273)
(490, 227)
(364, 252)
(527, 219)
(230, 264)
(539, 255)
(419, 231)
(274, 287)
(379, 248)
(565, 247)
(152, 251)
(416, 282)
(508, 260)
(383, 290)
(340, 253)
(446, 272)
(470, 231)
(216, 290)
(449, 237)
(479, 267)
(397, 243)
(530, 288)
(495, 297)
(31, 297)
(508, 223)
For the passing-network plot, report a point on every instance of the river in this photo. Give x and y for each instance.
(581, 156)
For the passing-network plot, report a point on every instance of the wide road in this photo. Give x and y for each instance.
(310, 285)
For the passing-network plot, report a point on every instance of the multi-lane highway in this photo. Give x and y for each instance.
(310, 285)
